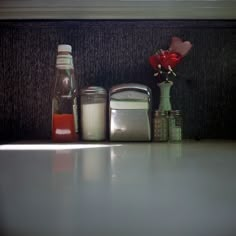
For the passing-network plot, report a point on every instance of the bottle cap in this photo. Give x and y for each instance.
(64, 48)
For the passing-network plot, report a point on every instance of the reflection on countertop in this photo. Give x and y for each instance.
(118, 189)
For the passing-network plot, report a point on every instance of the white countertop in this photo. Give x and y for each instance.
(141, 189)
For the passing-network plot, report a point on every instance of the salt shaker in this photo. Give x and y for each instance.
(93, 113)
(160, 126)
(175, 126)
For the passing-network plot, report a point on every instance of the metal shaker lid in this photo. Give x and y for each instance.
(93, 90)
(160, 113)
(175, 112)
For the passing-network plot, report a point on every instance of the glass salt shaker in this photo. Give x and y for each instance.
(160, 126)
(175, 126)
(93, 113)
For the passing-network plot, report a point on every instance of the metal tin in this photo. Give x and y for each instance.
(130, 106)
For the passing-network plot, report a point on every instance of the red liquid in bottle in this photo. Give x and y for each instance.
(63, 128)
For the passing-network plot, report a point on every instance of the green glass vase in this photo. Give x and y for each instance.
(165, 88)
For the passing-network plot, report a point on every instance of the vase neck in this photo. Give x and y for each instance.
(165, 104)
(165, 88)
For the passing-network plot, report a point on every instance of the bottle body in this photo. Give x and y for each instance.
(64, 102)
(160, 126)
(175, 126)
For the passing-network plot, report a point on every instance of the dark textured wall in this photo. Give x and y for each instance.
(111, 52)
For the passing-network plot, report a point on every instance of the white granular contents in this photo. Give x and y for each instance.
(93, 121)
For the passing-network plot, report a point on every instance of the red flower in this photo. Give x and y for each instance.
(165, 59)
(163, 62)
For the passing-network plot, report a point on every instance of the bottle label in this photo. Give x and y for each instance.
(64, 62)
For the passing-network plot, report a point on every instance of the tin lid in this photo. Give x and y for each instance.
(130, 91)
(92, 90)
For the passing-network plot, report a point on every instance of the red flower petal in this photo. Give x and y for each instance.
(165, 59)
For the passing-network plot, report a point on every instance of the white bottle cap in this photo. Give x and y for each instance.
(64, 48)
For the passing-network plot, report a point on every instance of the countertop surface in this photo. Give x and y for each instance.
(141, 189)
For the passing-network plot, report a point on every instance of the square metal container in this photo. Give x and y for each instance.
(130, 112)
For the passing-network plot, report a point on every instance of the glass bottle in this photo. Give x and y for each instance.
(160, 126)
(93, 113)
(175, 126)
(64, 102)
